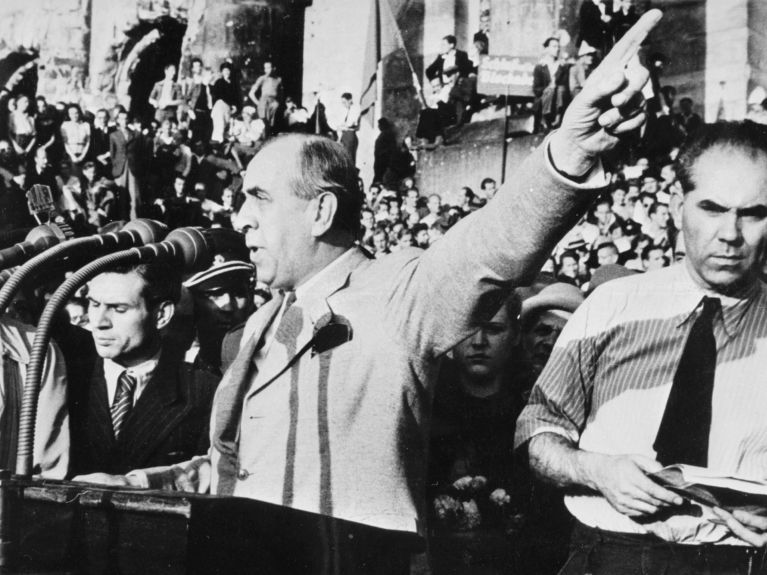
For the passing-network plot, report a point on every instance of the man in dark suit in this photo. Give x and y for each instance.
(452, 68)
(124, 147)
(140, 406)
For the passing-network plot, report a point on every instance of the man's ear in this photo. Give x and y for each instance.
(163, 313)
(676, 202)
(325, 208)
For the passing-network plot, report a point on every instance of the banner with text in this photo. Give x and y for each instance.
(500, 75)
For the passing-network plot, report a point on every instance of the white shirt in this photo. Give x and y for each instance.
(301, 291)
(142, 373)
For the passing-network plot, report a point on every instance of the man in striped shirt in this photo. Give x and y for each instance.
(596, 415)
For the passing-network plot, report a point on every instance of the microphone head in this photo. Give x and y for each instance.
(49, 233)
(192, 246)
(148, 230)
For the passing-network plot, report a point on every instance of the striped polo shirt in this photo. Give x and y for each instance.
(607, 381)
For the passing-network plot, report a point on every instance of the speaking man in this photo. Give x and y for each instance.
(327, 406)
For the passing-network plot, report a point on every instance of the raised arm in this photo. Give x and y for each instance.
(457, 281)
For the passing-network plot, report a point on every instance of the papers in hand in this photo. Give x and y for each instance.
(705, 486)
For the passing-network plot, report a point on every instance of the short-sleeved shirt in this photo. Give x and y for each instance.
(607, 382)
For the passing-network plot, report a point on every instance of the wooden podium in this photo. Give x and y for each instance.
(63, 527)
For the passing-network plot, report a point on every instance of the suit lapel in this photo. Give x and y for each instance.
(315, 306)
(234, 385)
(98, 406)
(155, 415)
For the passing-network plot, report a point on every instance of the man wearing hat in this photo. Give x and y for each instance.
(582, 68)
(222, 300)
(543, 316)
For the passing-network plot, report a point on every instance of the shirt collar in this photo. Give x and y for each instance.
(734, 307)
(318, 278)
(142, 372)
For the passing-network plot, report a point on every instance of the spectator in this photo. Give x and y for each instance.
(488, 188)
(476, 489)
(450, 71)
(225, 94)
(21, 128)
(125, 152)
(199, 101)
(658, 227)
(550, 87)
(542, 318)
(594, 19)
(222, 301)
(582, 68)
(349, 125)
(99, 148)
(653, 258)
(689, 121)
(434, 205)
(266, 93)
(167, 95)
(385, 151)
(607, 254)
(568, 269)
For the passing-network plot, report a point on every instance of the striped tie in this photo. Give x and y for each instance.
(123, 402)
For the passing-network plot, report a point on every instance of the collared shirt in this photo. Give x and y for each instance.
(142, 372)
(609, 376)
(301, 293)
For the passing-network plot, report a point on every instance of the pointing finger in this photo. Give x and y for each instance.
(628, 46)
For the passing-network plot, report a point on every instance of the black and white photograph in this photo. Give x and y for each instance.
(383, 287)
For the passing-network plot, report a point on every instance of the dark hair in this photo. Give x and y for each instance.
(654, 208)
(346, 96)
(650, 248)
(608, 245)
(226, 65)
(486, 181)
(450, 39)
(568, 254)
(196, 59)
(75, 107)
(168, 65)
(162, 281)
(549, 40)
(747, 137)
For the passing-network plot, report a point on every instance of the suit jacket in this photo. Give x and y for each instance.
(168, 423)
(176, 93)
(462, 63)
(345, 432)
(123, 150)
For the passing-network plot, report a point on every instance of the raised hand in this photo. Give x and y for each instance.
(610, 104)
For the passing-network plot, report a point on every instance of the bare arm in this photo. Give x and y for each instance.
(621, 479)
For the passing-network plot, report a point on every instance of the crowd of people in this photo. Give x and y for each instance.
(459, 297)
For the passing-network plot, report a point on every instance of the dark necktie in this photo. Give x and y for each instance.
(123, 401)
(684, 430)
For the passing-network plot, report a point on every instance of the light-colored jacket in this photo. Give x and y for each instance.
(51, 449)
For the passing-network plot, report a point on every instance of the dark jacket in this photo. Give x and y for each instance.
(168, 424)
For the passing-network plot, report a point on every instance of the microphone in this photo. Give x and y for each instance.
(193, 248)
(37, 240)
(135, 233)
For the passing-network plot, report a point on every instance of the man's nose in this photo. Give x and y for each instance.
(98, 318)
(225, 301)
(730, 228)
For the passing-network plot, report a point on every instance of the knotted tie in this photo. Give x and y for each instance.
(123, 401)
(684, 430)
